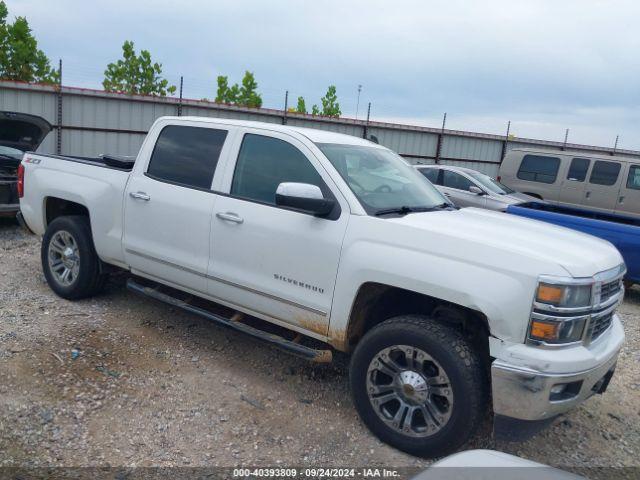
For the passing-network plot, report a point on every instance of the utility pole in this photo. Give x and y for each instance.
(441, 138)
(505, 145)
(615, 145)
(59, 116)
(358, 101)
(286, 107)
(566, 137)
(180, 99)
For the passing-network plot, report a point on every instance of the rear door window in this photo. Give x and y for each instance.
(186, 155)
(578, 169)
(633, 180)
(430, 173)
(539, 168)
(455, 180)
(604, 173)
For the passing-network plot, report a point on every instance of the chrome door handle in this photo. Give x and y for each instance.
(230, 217)
(140, 196)
(588, 194)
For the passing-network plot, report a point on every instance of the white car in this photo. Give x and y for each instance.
(468, 188)
(343, 246)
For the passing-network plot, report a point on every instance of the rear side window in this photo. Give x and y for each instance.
(265, 162)
(186, 155)
(578, 169)
(455, 180)
(604, 173)
(430, 173)
(633, 180)
(538, 168)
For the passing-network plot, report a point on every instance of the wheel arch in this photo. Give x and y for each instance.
(377, 302)
(55, 207)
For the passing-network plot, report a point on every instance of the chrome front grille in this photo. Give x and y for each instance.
(609, 289)
(599, 325)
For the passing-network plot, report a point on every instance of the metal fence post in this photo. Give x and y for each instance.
(505, 144)
(286, 106)
(59, 115)
(366, 124)
(180, 99)
(441, 138)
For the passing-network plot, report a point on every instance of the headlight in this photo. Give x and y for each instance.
(550, 323)
(557, 331)
(564, 296)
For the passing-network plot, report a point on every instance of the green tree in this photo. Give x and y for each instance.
(223, 89)
(245, 95)
(136, 74)
(248, 95)
(315, 110)
(330, 105)
(301, 107)
(20, 58)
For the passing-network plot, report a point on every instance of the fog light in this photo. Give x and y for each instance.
(564, 391)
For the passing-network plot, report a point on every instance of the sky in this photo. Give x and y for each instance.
(545, 65)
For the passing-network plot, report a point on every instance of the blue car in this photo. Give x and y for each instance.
(623, 232)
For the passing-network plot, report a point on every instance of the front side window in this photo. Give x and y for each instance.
(381, 179)
(186, 155)
(633, 180)
(604, 173)
(538, 168)
(578, 169)
(455, 180)
(431, 174)
(266, 162)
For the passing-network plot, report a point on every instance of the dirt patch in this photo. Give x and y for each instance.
(122, 380)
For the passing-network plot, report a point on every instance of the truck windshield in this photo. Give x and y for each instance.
(381, 180)
(491, 184)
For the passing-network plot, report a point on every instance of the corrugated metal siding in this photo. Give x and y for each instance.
(471, 149)
(407, 142)
(96, 122)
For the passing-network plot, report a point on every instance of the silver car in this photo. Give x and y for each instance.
(468, 188)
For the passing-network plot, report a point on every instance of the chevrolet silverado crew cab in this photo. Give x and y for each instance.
(321, 242)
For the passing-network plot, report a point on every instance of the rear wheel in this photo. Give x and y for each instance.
(418, 385)
(69, 259)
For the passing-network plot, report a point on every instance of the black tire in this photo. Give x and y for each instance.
(454, 355)
(89, 279)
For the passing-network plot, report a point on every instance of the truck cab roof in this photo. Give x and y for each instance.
(315, 135)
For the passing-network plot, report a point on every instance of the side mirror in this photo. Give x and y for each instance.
(303, 197)
(476, 190)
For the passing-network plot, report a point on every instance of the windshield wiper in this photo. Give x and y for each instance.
(404, 210)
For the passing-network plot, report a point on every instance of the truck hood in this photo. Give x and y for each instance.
(581, 255)
(22, 132)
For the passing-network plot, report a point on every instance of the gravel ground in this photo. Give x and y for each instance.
(151, 386)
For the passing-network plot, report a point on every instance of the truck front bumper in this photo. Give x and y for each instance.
(526, 400)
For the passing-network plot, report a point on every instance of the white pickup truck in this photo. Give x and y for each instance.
(317, 241)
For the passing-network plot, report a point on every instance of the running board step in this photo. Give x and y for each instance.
(312, 354)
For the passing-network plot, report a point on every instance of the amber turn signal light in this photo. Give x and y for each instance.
(544, 331)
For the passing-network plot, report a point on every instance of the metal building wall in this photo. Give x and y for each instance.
(95, 122)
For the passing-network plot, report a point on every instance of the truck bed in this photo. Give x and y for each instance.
(623, 232)
(118, 162)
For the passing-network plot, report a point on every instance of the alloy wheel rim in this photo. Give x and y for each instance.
(409, 391)
(64, 258)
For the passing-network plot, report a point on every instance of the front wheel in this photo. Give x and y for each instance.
(69, 259)
(418, 385)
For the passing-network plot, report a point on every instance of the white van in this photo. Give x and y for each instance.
(603, 183)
